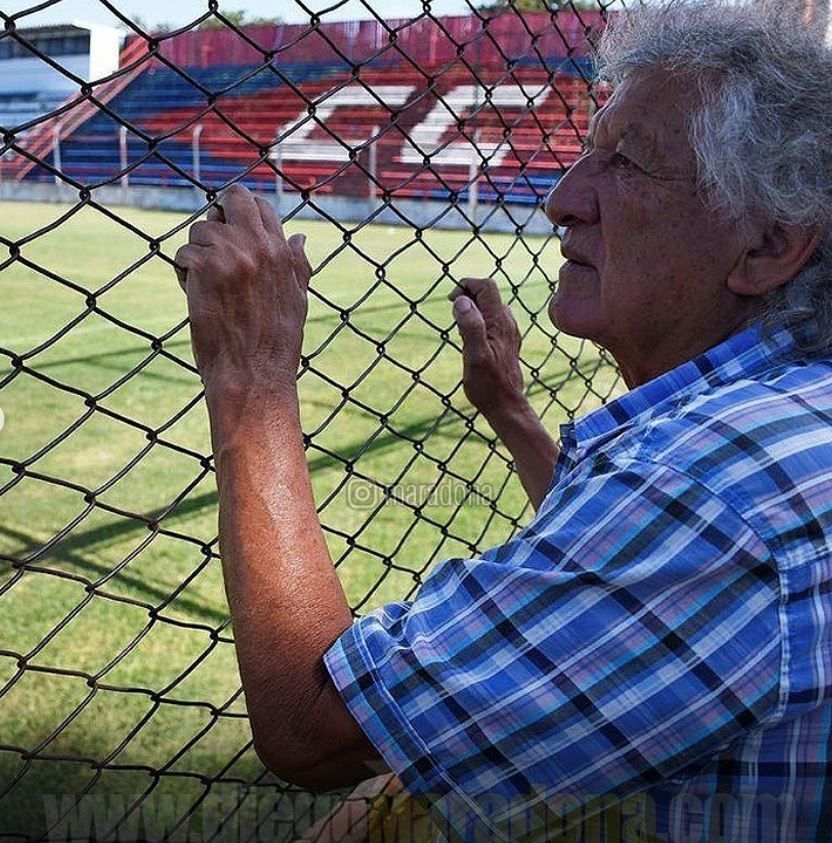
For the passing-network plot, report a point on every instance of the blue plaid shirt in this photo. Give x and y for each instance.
(652, 653)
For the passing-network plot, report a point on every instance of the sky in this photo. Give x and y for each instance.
(180, 12)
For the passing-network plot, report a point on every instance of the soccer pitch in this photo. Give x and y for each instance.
(117, 669)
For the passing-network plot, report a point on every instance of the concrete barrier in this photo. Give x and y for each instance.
(412, 213)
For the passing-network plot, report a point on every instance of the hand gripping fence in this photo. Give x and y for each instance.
(413, 153)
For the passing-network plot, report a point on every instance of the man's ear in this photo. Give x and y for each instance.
(773, 257)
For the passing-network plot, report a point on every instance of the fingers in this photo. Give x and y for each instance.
(269, 219)
(216, 214)
(238, 204)
(272, 224)
(238, 201)
(205, 233)
(484, 292)
(303, 269)
(239, 207)
(472, 327)
(189, 256)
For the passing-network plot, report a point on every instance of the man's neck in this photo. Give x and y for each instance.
(637, 367)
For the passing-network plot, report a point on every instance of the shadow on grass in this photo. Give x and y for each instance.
(51, 800)
(332, 315)
(72, 549)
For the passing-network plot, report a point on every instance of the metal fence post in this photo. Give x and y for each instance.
(373, 178)
(56, 152)
(195, 153)
(122, 160)
(473, 178)
(278, 168)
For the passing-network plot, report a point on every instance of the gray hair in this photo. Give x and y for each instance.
(762, 133)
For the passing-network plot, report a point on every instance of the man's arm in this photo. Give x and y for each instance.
(532, 448)
(286, 602)
(246, 289)
(494, 384)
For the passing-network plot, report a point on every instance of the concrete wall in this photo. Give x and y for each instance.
(413, 213)
(105, 46)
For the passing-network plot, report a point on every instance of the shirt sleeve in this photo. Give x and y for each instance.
(629, 632)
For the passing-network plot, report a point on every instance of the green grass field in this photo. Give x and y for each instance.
(117, 669)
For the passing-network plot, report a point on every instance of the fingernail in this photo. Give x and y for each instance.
(462, 305)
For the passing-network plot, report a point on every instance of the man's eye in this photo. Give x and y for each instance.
(623, 161)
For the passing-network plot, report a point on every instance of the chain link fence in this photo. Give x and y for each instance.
(413, 153)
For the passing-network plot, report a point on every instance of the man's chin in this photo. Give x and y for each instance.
(570, 320)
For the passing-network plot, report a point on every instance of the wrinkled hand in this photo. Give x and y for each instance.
(246, 286)
(491, 373)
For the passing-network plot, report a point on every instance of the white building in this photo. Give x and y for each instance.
(31, 87)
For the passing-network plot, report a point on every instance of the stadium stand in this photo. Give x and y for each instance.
(30, 88)
(352, 112)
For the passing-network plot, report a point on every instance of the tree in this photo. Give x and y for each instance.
(265, 21)
(237, 17)
(541, 5)
(152, 28)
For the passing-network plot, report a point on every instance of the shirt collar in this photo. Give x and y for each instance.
(741, 355)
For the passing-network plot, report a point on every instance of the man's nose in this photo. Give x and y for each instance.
(573, 199)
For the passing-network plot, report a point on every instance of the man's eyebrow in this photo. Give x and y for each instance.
(588, 140)
(589, 137)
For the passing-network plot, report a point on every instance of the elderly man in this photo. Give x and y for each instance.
(658, 638)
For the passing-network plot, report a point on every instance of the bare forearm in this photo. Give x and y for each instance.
(493, 381)
(286, 602)
(532, 448)
(247, 286)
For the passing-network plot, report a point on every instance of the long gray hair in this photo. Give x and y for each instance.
(762, 134)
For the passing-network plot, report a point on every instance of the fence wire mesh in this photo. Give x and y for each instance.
(413, 153)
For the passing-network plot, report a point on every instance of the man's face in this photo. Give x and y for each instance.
(647, 259)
